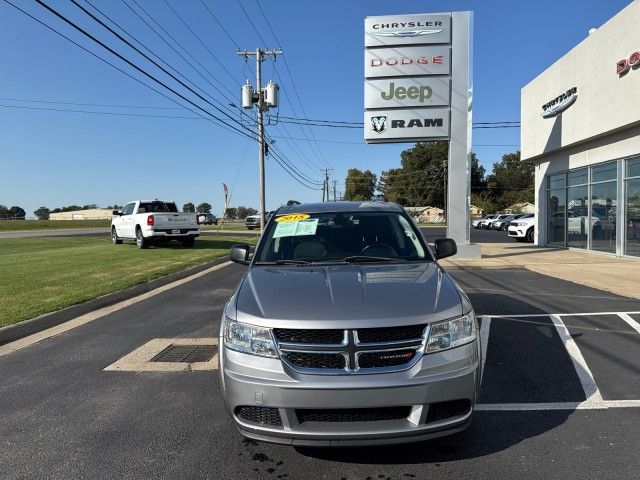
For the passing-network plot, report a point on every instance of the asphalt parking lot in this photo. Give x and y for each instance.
(560, 396)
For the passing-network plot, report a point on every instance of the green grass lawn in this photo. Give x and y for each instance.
(15, 225)
(41, 275)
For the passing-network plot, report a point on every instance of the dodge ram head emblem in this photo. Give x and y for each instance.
(379, 124)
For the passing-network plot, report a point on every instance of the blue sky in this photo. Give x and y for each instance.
(54, 159)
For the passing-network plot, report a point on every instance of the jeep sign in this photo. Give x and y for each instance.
(407, 92)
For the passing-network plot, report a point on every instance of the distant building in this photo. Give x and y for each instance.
(426, 214)
(476, 212)
(93, 214)
(525, 207)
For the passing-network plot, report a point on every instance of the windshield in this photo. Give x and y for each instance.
(340, 237)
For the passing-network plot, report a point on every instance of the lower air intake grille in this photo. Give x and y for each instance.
(444, 410)
(260, 415)
(353, 414)
(315, 360)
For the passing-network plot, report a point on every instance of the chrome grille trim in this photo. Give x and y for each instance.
(351, 349)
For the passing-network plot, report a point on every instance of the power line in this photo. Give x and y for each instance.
(264, 44)
(115, 66)
(124, 40)
(220, 24)
(6, 99)
(96, 112)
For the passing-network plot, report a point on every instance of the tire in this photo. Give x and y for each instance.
(530, 235)
(141, 242)
(114, 237)
(249, 228)
(188, 242)
(503, 228)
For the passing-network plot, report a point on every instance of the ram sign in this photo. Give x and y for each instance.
(386, 126)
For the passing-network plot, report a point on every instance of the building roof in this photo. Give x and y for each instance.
(342, 206)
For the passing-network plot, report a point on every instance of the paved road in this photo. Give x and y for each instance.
(63, 416)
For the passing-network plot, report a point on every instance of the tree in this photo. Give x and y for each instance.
(231, 213)
(17, 212)
(292, 202)
(188, 207)
(4, 212)
(204, 207)
(421, 179)
(511, 181)
(91, 206)
(243, 212)
(359, 185)
(42, 213)
(484, 201)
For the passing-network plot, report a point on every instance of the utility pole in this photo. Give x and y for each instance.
(325, 185)
(334, 190)
(263, 99)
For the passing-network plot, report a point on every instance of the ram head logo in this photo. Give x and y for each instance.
(379, 124)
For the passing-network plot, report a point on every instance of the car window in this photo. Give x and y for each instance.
(157, 207)
(128, 209)
(331, 237)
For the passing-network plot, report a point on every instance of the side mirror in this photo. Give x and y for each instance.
(116, 212)
(240, 254)
(445, 247)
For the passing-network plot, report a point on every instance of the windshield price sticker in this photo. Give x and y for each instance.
(296, 228)
(296, 217)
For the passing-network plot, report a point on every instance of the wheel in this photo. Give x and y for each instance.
(530, 235)
(249, 228)
(114, 237)
(188, 242)
(141, 242)
(503, 227)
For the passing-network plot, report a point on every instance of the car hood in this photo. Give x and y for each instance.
(346, 296)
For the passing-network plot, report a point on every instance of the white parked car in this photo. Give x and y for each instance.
(483, 222)
(522, 229)
(153, 221)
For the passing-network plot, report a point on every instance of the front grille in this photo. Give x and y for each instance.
(444, 410)
(353, 414)
(260, 415)
(360, 350)
(289, 335)
(391, 358)
(321, 361)
(390, 334)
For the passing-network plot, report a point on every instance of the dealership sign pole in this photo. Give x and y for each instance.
(418, 88)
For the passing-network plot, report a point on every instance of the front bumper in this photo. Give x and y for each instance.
(517, 232)
(440, 378)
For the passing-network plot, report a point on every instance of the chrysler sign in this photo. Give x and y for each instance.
(407, 92)
(388, 126)
(407, 30)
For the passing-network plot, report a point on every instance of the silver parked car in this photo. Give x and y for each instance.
(345, 331)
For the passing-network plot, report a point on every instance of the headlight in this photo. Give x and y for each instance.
(248, 339)
(452, 333)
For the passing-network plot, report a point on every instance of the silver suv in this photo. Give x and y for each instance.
(346, 331)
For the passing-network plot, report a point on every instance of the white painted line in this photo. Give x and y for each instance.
(586, 405)
(531, 315)
(8, 348)
(140, 359)
(582, 369)
(632, 323)
(485, 328)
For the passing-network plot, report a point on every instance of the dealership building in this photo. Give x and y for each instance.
(581, 127)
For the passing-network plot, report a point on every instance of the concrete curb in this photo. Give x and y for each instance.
(37, 324)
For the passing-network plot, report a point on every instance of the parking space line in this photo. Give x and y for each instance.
(532, 315)
(485, 327)
(632, 323)
(586, 405)
(582, 369)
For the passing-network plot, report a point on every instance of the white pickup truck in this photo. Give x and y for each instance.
(153, 221)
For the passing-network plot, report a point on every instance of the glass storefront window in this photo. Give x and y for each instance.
(632, 200)
(557, 181)
(633, 167)
(579, 176)
(577, 216)
(557, 203)
(604, 207)
(604, 172)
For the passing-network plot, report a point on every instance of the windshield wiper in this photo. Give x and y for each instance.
(368, 258)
